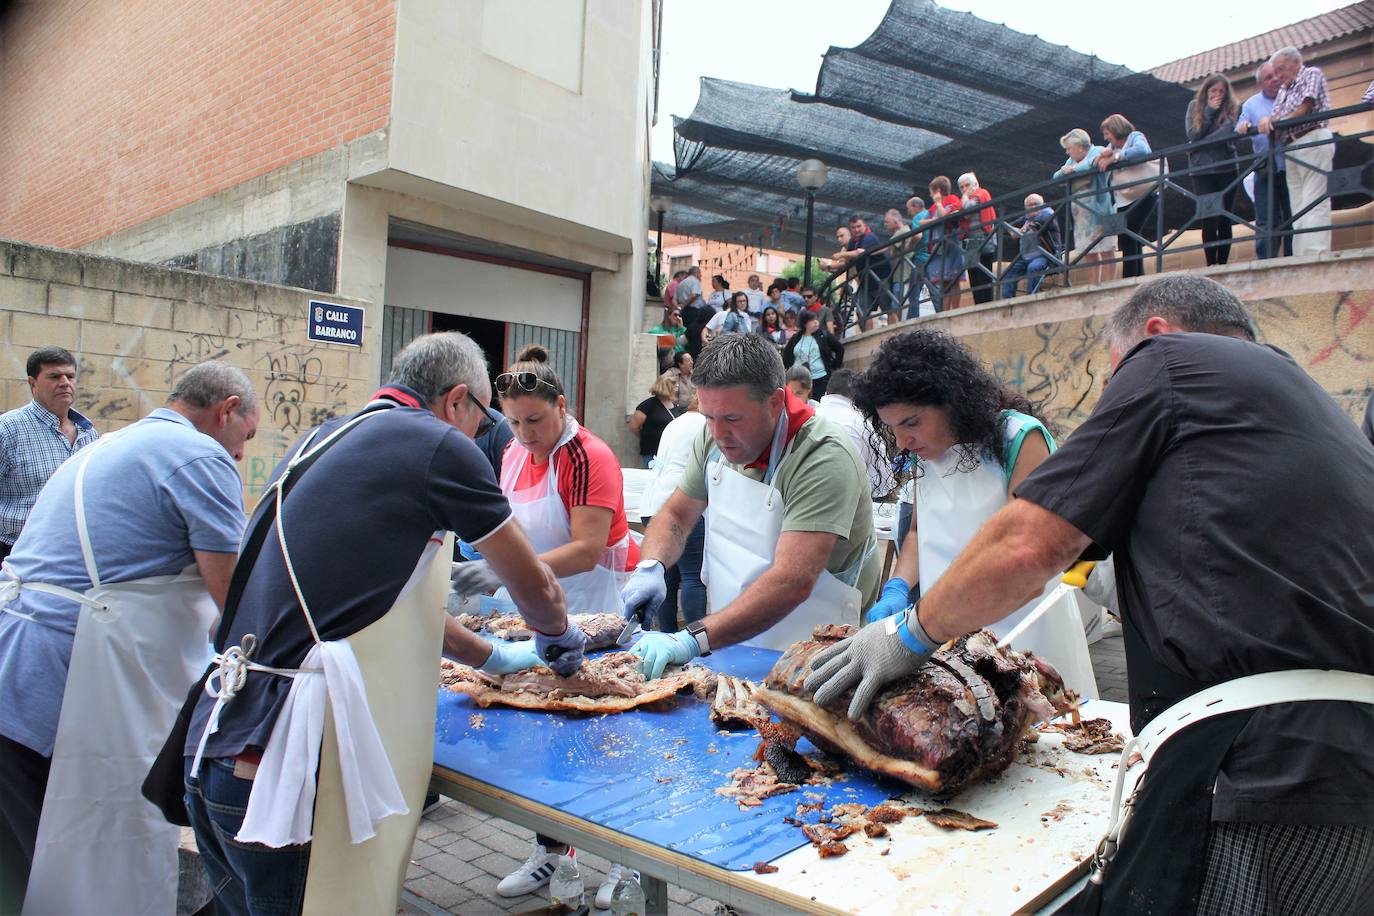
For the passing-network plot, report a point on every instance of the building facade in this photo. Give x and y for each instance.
(474, 165)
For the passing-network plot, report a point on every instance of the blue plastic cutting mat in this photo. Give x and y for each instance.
(606, 769)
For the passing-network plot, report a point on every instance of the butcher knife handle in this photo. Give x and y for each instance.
(1077, 574)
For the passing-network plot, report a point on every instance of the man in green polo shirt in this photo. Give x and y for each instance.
(789, 542)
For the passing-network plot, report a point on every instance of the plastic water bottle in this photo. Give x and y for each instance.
(566, 885)
(628, 897)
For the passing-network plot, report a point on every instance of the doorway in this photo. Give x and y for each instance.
(487, 334)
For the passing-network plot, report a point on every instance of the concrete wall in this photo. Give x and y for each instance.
(136, 327)
(1318, 309)
(115, 113)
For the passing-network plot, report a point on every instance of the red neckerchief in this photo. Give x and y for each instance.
(399, 395)
(798, 412)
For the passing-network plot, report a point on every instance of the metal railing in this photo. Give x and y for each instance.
(1167, 204)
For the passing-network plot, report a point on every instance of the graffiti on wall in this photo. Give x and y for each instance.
(1063, 366)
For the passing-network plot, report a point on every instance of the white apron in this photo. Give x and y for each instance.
(101, 846)
(360, 714)
(743, 524)
(951, 505)
(545, 519)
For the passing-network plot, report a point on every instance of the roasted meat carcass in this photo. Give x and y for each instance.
(601, 630)
(957, 719)
(607, 683)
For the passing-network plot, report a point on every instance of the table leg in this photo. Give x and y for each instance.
(655, 895)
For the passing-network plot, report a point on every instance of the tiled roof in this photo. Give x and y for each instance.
(1308, 33)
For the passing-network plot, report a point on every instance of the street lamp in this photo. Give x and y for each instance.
(660, 204)
(812, 176)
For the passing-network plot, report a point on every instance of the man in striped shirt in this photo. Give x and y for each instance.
(36, 438)
(1302, 92)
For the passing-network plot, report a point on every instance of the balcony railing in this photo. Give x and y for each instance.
(1167, 205)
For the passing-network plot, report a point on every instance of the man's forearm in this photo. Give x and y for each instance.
(1006, 564)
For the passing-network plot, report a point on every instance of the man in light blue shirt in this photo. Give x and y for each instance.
(36, 438)
(1256, 108)
(159, 496)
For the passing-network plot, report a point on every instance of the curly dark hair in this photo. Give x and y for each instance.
(930, 368)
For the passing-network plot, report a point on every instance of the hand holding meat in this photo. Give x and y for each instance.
(657, 651)
(644, 592)
(563, 653)
(892, 600)
(474, 578)
(508, 658)
(867, 661)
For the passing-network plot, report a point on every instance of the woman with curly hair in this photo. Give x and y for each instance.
(968, 440)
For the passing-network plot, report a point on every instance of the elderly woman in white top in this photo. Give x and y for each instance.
(1090, 209)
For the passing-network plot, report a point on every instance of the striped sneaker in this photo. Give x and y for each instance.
(533, 875)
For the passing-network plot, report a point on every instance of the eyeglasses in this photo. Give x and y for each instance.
(485, 425)
(808, 295)
(526, 381)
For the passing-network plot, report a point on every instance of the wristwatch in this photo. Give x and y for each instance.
(646, 565)
(698, 631)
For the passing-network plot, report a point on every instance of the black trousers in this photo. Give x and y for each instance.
(983, 282)
(23, 780)
(1138, 216)
(5, 549)
(1217, 228)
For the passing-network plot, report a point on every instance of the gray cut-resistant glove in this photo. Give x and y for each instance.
(473, 578)
(872, 658)
(1101, 586)
(563, 653)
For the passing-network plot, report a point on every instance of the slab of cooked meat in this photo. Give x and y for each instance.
(1090, 736)
(959, 718)
(607, 683)
(602, 630)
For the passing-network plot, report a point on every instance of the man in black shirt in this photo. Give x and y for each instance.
(1237, 500)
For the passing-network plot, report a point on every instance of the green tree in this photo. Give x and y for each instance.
(798, 269)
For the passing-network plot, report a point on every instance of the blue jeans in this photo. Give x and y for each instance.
(247, 879)
(688, 569)
(1033, 270)
(1268, 245)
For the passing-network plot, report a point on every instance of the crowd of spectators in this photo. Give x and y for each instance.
(954, 242)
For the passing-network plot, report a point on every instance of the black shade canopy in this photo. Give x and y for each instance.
(931, 92)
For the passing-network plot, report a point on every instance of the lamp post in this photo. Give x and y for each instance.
(812, 176)
(660, 204)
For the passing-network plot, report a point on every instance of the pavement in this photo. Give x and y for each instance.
(461, 853)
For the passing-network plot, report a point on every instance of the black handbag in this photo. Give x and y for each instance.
(165, 784)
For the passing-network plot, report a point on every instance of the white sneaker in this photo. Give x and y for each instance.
(607, 888)
(1111, 627)
(534, 874)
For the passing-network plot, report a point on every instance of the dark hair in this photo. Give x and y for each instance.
(1118, 126)
(805, 316)
(737, 297)
(793, 283)
(679, 274)
(841, 382)
(48, 356)
(808, 289)
(534, 359)
(763, 319)
(801, 374)
(749, 360)
(930, 368)
(678, 357)
(855, 218)
(939, 185)
(720, 278)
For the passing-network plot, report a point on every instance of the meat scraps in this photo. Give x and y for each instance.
(1090, 736)
(958, 719)
(601, 630)
(955, 819)
(605, 684)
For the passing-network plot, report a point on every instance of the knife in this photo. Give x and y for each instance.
(629, 632)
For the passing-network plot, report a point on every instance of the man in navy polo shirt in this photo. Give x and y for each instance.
(357, 522)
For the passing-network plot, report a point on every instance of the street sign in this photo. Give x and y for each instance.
(333, 323)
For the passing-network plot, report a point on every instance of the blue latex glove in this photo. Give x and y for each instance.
(893, 599)
(507, 658)
(869, 660)
(657, 651)
(563, 653)
(644, 592)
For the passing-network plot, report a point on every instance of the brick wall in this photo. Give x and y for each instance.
(117, 112)
(136, 327)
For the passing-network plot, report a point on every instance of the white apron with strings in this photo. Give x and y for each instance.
(547, 524)
(951, 505)
(360, 717)
(101, 846)
(743, 524)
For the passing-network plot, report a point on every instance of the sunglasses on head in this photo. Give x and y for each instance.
(525, 381)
